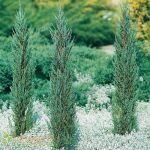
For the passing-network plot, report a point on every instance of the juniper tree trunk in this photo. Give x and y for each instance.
(126, 77)
(62, 101)
(22, 67)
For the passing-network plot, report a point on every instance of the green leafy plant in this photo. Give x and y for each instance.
(61, 103)
(22, 66)
(5, 69)
(88, 19)
(126, 77)
(81, 93)
(144, 73)
(104, 71)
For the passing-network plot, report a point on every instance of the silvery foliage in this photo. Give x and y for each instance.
(95, 130)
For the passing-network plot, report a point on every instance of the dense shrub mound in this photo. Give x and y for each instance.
(92, 22)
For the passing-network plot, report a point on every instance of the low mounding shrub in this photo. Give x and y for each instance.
(104, 71)
(144, 72)
(92, 21)
(41, 89)
(81, 91)
(5, 70)
(5, 76)
(84, 59)
(82, 86)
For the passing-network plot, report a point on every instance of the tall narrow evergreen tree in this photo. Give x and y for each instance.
(126, 77)
(22, 67)
(62, 101)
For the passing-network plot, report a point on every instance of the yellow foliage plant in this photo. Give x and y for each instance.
(140, 11)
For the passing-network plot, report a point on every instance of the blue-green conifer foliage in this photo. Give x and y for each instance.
(61, 102)
(23, 69)
(126, 76)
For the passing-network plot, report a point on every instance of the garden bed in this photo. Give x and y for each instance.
(95, 128)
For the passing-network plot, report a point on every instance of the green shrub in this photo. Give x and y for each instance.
(41, 89)
(81, 93)
(85, 59)
(5, 44)
(93, 24)
(104, 73)
(5, 76)
(42, 61)
(5, 69)
(144, 73)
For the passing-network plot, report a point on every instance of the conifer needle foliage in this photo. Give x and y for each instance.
(22, 67)
(62, 101)
(126, 76)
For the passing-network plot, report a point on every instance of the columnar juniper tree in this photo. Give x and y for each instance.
(22, 67)
(126, 77)
(62, 101)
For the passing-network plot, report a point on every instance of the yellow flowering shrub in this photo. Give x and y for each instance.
(140, 11)
(51, 3)
(91, 2)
